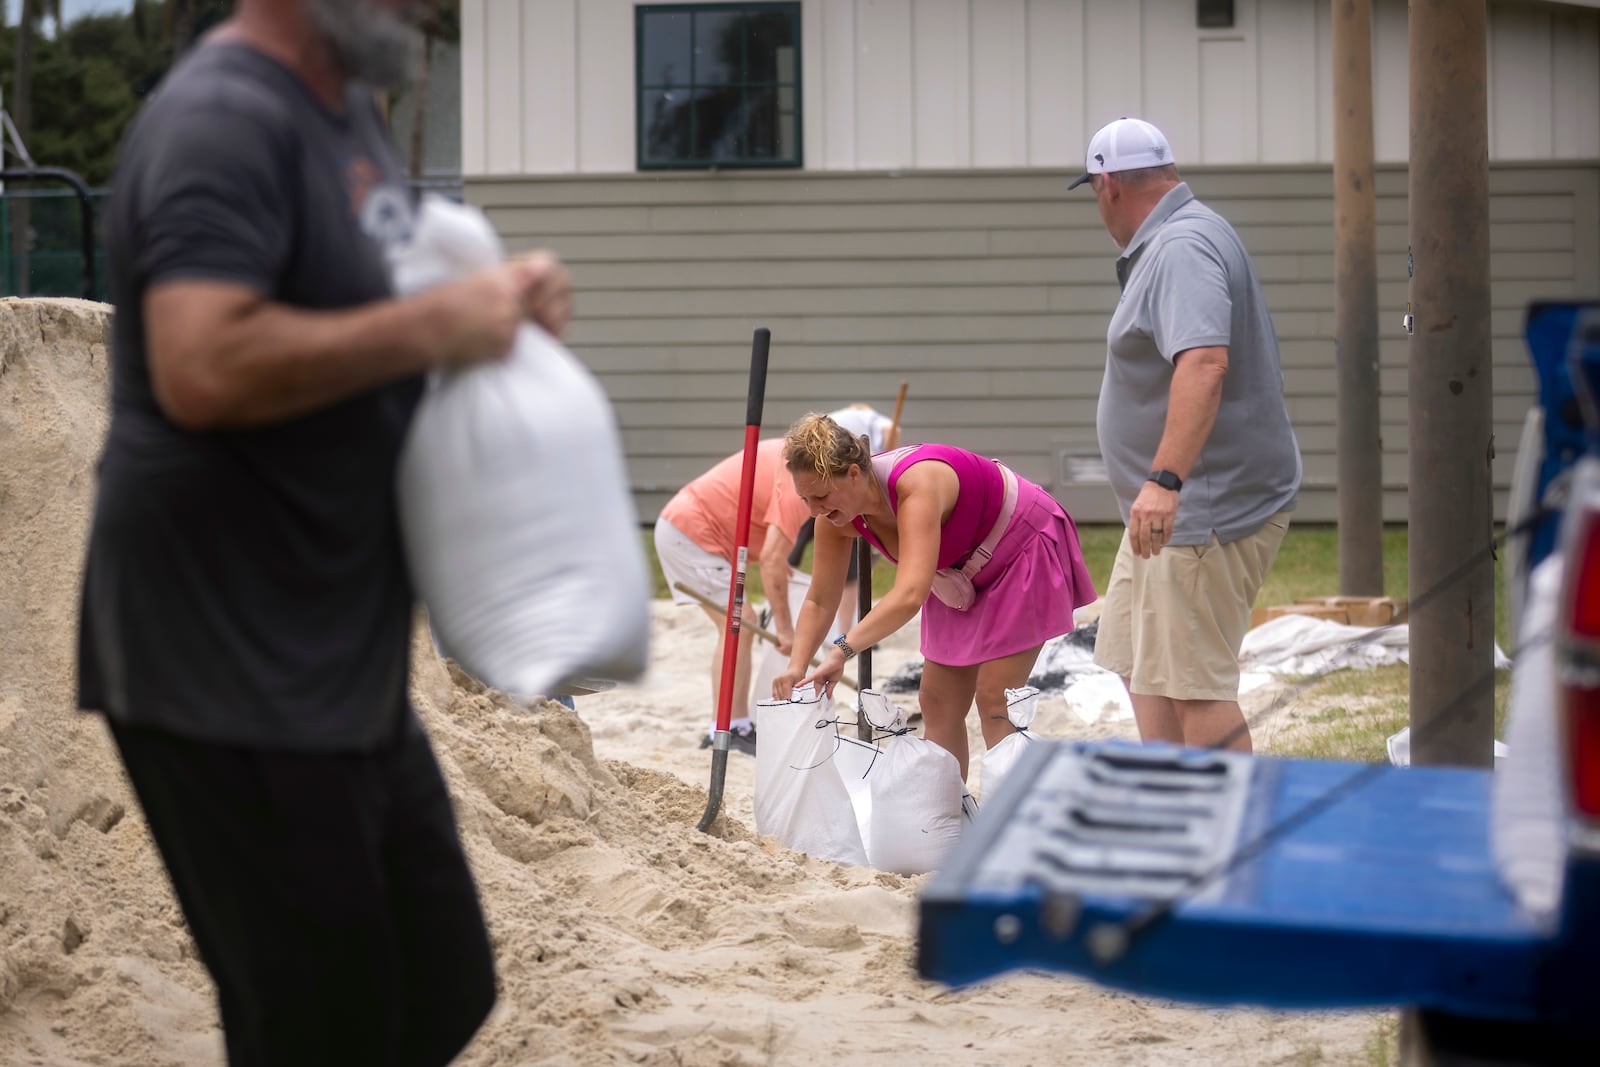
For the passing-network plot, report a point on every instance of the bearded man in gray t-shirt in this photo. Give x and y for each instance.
(1197, 444)
(247, 614)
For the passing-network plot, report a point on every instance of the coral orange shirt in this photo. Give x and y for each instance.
(707, 509)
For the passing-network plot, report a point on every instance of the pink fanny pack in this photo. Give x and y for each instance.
(953, 585)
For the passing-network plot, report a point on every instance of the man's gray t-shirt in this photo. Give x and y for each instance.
(1187, 282)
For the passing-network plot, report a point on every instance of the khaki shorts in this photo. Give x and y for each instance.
(684, 561)
(1172, 624)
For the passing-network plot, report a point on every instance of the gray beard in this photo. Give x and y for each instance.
(369, 44)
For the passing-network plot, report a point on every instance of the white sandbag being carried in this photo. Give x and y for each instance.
(1022, 706)
(800, 797)
(514, 502)
(916, 795)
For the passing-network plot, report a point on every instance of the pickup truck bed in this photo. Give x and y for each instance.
(1376, 885)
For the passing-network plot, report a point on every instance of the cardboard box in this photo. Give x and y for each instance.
(1364, 610)
(1332, 612)
(1349, 610)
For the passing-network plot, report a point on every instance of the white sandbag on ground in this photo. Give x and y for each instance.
(800, 796)
(514, 503)
(855, 759)
(1022, 707)
(916, 790)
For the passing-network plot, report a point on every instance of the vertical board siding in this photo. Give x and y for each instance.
(943, 83)
(475, 105)
(548, 85)
(605, 87)
(1171, 96)
(989, 293)
(549, 72)
(503, 72)
(1323, 29)
(1520, 56)
(838, 86)
(1286, 37)
(1391, 82)
(814, 86)
(1000, 83)
(1228, 128)
(884, 104)
(1111, 54)
(1576, 38)
(1056, 133)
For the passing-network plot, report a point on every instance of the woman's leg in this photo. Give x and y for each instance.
(946, 697)
(994, 678)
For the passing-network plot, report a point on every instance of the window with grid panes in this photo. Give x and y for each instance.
(718, 85)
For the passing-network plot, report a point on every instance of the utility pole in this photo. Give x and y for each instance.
(1355, 269)
(1451, 388)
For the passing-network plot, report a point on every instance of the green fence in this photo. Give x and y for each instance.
(41, 237)
(41, 242)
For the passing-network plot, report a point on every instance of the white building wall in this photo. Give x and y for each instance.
(548, 85)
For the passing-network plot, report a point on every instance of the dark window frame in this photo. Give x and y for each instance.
(791, 8)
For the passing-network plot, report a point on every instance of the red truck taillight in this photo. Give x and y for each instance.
(1579, 660)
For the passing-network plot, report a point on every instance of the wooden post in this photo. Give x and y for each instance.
(1451, 388)
(1355, 268)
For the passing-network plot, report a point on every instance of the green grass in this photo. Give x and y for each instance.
(1357, 712)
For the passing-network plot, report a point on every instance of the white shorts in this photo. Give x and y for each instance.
(684, 561)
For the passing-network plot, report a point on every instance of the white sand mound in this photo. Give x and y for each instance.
(622, 934)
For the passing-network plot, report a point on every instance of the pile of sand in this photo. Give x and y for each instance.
(622, 934)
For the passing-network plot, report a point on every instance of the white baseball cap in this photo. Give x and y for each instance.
(1125, 144)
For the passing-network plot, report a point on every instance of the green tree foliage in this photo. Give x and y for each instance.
(90, 76)
(88, 81)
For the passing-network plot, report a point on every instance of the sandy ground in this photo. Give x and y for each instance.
(622, 934)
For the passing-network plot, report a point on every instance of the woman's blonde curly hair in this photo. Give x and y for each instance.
(817, 444)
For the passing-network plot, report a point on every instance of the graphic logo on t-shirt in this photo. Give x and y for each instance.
(382, 208)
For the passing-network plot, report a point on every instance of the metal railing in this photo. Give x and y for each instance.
(51, 263)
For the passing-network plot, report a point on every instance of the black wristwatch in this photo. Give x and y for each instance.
(844, 646)
(1166, 480)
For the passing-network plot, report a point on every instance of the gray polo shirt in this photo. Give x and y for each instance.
(1187, 282)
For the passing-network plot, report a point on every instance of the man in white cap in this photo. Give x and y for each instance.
(1196, 439)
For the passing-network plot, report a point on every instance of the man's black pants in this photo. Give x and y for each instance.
(328, 895)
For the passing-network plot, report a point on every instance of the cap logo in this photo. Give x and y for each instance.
(1099, 157)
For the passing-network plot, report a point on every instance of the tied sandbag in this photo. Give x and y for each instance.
(800, 796)
(514, 502)
(916, 791)
(1022, 706)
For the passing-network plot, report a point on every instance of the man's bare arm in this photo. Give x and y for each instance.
(1192, 402)
(220, 354)
(775, 580)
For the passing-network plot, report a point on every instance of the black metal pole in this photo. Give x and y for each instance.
(863, 605)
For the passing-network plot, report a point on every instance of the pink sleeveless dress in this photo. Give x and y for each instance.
(1027, 591)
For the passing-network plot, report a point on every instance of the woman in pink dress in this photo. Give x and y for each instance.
(990, 560)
